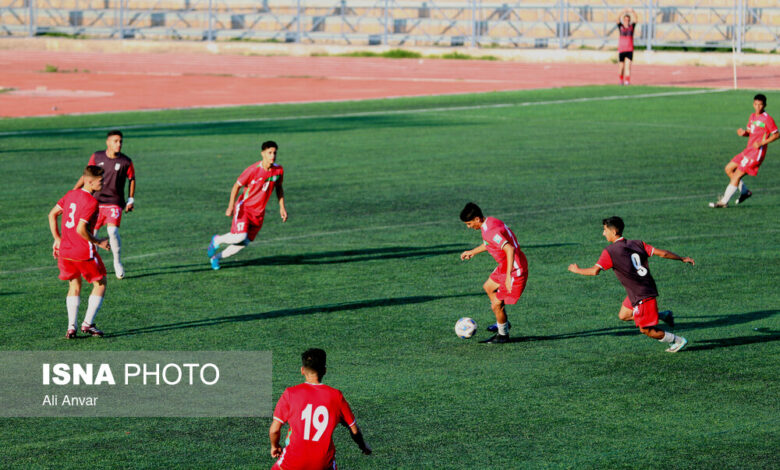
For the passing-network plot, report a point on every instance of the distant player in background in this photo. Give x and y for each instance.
(118, 169)
(761, 131)
(507, 282)
(629, 258)
(626, 24)
(74, 249)
(312, 410)
(259, 181)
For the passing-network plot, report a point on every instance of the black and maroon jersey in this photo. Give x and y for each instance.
(629, 260)
(116, 172)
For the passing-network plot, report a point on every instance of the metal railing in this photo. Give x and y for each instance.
(477, 23)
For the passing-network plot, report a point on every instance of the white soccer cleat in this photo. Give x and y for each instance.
(119, 270)
(678, 345)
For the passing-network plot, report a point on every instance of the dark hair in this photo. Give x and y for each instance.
(114, 132)
(760, 97)
(314, 360)
(471, 212)
(616, 223)
(268, 144)
(93, 170)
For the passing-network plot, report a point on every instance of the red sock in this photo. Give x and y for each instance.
(621, 78)
(628, 79)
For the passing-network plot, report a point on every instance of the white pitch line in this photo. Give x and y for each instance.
(351, 115)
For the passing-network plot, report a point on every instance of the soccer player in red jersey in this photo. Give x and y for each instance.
(629, 259)
(507, 282)
(625, 25)
(312, 410)
(258, 181)
(118, 170)
(761, 131)
(74, 249)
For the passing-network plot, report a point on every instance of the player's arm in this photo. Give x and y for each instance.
(275, 433)
(509, 250)
(280, 197)
(86, 234)
(233, 195)
(669, 255)
(54, 214)
(767, 140)
(357, 436)
(131, 199)
(468, 254)
(592, 271)
(635, 16)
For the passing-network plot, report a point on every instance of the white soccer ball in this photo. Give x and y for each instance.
(465, 327)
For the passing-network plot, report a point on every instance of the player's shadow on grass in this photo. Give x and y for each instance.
(327, 308)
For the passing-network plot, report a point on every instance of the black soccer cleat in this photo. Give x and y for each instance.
(744, 196)
(667, 317)
(496, 339)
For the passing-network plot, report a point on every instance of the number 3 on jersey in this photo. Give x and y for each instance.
(319, 420)
(637, 262)
(71, 222)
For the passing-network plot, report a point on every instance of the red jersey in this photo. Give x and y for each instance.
(759, 125)
(626, 41)
(312, 411)
(259, 184)
(495, 234)
(77, 205)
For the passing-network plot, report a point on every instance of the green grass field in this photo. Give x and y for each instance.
(367, 268)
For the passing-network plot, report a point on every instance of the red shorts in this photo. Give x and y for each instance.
(245, 221)
(750, 161)
(92, 269)
(108, 215)
(277, 467)
(645, 312)
(509, 297)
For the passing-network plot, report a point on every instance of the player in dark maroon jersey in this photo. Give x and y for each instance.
(74, 249)
(761, 131)
(118, 170)
(259, 180)
(626, 25)
(312, 410)
(629, 259)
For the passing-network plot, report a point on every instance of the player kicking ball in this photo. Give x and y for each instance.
(74, 249)
(312, 410)
(761, 131)
(258, 181)
(629, 259)
(507, 282)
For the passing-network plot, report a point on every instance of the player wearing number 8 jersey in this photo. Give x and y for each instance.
(312, 410)
(629, 259)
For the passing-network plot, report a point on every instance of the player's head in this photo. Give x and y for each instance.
(268, 150)
(613, 228)
(626, 19)
(114, 141)
(472, 216)
(313, 362)
(759, 103)
(93, 178)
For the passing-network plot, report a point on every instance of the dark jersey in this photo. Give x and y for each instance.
(629, 260)
(626, 40)
(116, 172)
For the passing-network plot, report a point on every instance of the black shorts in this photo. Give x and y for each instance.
(625, 55)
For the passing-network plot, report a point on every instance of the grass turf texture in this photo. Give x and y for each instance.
(367, 267)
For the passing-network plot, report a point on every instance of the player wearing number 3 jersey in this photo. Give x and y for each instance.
(312, 410)
(629, 259)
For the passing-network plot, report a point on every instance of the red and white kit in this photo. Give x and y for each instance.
(629, 258)
(312, 412)
(258, 184)
(116, 172)
(750, 159)
(77, 256)
(495, 234)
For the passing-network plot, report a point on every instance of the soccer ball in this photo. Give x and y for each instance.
(465, 327)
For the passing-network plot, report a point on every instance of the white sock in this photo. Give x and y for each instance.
(72, 302)
(668, 338)
(743, 189)
(229, 251)
(116, 243)
(92, 309)
(230, 238)
(502, 328)
(730, 190)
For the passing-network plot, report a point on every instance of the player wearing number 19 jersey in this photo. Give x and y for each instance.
(629, 259)
(312, 410)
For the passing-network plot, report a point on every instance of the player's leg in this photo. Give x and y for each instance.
(646, 318)
(627, 71)
(72, 304)
(95, 273)
(735, 175)
(116, 249)
(626, 312)
(621, 62)
(499, 310)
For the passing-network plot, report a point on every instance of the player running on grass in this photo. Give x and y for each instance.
(761, 131)
(118, 169)
(74, 249)
(312, 410)
(630, 258)
(259, 181)
(507, 282)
